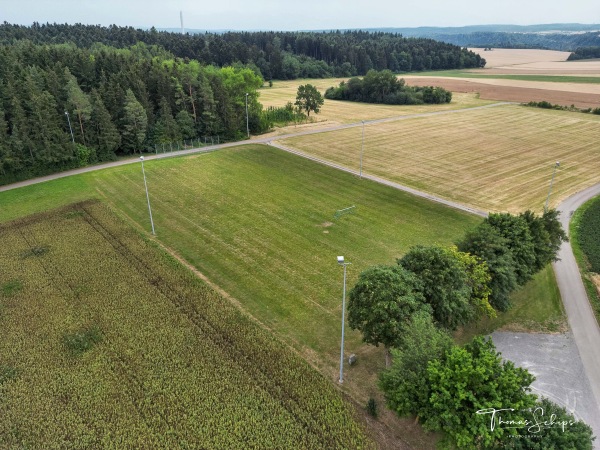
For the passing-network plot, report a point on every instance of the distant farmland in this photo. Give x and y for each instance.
(496, 159)
(108, 343)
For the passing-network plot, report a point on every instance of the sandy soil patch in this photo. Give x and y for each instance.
(516, 91)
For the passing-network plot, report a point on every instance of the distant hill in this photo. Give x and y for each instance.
(553, 36)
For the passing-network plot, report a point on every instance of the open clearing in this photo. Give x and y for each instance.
(502, 57)
(498, 159)
(176, 366)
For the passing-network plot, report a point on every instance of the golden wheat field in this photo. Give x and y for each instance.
(496, 159)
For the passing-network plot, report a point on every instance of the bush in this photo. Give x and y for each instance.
(82, 341)
(589, 235)
(372, 407)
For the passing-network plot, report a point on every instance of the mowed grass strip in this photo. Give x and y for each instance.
(498, 159)
(175, 365)
(334, 111)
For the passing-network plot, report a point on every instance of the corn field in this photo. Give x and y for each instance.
(171, 363)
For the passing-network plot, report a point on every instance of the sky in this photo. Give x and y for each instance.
(299, 15)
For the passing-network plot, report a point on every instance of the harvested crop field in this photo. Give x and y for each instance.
(566, 94)
(501, 57)
(497, 159)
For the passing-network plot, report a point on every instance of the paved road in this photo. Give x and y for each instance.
(581, 318)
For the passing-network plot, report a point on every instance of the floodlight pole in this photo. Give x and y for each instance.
(556, 166)
(147, 196)
(71, 129)
(362, 148)
(341, 262)
(247, 127)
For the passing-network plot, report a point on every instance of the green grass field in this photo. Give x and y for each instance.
(496, 159)
(107, 342)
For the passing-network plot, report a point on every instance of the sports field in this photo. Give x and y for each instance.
(109, 343)
(497, 159)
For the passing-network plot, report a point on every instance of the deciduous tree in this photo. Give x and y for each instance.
(309, 99)
(444, 283)
(382, 303)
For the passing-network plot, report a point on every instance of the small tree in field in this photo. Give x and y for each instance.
(309, 99)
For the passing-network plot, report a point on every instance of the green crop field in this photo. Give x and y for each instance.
(107, 342)
(496, 159)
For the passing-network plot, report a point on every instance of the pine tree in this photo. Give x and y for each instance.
(106, 137)
(135, 123)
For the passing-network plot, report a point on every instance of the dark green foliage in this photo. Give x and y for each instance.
(382, 303)
(7, 373)
(80, 342)
(283, 115)
(585, 53)
(405, 383)
(11, 287)
(277, 55)
(372, 407)
(515, 230)
(309, 99)
(444, 284)
(385, 87)
(119, 101)
(589, 235)
(564, 433)
(470, 379)
(38, 250)
(486, 243)
(547, 235)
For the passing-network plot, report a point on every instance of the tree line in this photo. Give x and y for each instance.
(118, 101)
(384, 87)
(410, 308)
(585, 53)
(278, 55)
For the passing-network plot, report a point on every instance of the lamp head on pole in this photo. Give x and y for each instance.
(340, 260)
(557, 163)
(141, 158)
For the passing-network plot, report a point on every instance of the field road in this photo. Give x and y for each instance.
(581, 319)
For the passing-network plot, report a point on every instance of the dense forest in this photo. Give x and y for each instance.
(278, 55)
(385, 87)
(550, 41)
(71, 95)
(585, 53)
(116, 101)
